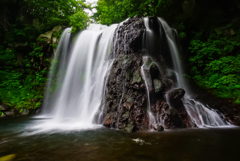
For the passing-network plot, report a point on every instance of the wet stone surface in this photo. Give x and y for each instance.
(126, 101)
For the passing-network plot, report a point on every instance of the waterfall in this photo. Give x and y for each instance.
(76, 86)
(199, 114)
(58, 65)
(79, 75)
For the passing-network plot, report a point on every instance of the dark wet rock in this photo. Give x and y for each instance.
(154, 71)
(137, 78)
(168, 84)
(160, 128)
(158, 85)
(10, 113)
(125, 100)
(129, 36)
(24, 112)
(129, 103)
(1, 108)
(170, 74)
(176, 95)
(126, 94)
(125, 116)
(34, 111)
(5, 107)
(130, 127)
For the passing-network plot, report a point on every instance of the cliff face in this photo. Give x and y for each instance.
(125, 106)
(126, 100)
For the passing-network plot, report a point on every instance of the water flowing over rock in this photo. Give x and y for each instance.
(125, 76)
(161, 88)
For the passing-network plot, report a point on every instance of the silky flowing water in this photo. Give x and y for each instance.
(103, 144)
(200, 115)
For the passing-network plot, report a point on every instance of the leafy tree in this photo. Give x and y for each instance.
(115, 11)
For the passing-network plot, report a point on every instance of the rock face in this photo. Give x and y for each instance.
(175, 96)
(125, 106)
(49, 38)
(126, 100)
(126, 97)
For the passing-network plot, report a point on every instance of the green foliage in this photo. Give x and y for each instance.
(37, 50)
(22, 87)
(24, 60)
(115, 11)
(79, 20)
(23, 20)
(6, 55)
(56, 12)
(216, 64)
(181, 28)
(57, 34)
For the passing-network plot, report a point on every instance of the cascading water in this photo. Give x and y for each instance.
(199, 114)
(59, 64)
(79, 86)
(144, 69)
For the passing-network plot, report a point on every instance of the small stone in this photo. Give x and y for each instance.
(160, 128)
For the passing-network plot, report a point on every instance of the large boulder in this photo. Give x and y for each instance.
(176, 95)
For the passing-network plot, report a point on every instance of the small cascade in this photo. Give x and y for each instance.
(81, 78)
(200, 115)
(145, 75)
